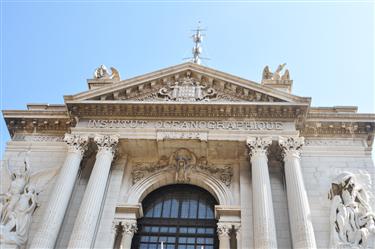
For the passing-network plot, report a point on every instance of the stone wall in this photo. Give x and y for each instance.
(43, 155)
(322, 161)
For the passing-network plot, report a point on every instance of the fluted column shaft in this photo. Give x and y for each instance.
(58, 202)
(88, 214)
(298, 204)
(237, 229)
(223, 231)
(129, 228)
(264, 221)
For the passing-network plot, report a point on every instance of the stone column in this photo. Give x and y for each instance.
(49, 228)
(88, 214)
(264, 221)
(223, 230)
(237, 229)
(129, 228)
(298, 204)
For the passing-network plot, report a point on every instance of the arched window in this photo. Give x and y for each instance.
(181, 216)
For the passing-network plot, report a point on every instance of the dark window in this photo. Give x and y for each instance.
(182, 216)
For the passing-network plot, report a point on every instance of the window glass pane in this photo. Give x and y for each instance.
(202, 210)
(144, 238)
(209, 241)
(174, 208)
(185, 209)
(157, 210)
(166, 209)
(172, 229)
(153, 239)
(190, 247)
(171, 239)
(182, 240)
(152, 246)
(200, 241)
(191, 230)
(164, 229)
(149, 211)
(191, 240)
(183, 229)
(154, 229)
(193, 209)
(201, 230)
(210, 213)
(143, 246)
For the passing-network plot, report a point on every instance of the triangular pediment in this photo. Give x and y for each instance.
(186, 82)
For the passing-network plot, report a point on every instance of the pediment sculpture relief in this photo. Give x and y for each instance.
(183, 163)
(19, 203)
(186, 87)
(352, 219)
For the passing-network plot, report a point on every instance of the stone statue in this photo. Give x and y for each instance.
(102, 73)
(115, 74)
(268, 75)
(352, 220)
(19, 202)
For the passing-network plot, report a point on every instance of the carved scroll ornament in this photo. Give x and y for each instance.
(182, 163)
(352, 220)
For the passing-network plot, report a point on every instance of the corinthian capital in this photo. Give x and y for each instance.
(291, 145)
(258, 145)
(106, 142)
(129, 227)
(76, 143)
(223, 229)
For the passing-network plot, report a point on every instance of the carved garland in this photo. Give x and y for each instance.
(182, 163)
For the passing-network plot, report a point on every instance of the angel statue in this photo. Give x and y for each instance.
(352, 220)
(20, 201)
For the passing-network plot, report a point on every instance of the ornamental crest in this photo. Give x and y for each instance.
(187, 89)
(183, 163)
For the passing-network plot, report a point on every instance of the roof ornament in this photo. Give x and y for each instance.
(102, 73)
(268, 75)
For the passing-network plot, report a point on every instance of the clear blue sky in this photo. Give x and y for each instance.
(50, 48)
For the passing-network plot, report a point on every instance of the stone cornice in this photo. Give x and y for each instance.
(281, 111)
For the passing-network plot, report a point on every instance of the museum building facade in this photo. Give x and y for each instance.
(188, 157)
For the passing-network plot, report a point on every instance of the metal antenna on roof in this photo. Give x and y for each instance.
(197, 49)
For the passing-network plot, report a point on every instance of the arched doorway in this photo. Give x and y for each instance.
(180, 215)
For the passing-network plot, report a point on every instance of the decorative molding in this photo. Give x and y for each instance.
(76, 143)
(258, 145)
(182, 163)
(106, 142)
(223, 229)
(352, 219)
(167, 135)
(37, 138)
(129, 227)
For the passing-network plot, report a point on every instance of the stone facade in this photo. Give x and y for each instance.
(284, 174)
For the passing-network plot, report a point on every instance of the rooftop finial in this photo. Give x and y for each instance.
(197, 49)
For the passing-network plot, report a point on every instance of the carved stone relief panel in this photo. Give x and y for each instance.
(352, 219)
(183, 163)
